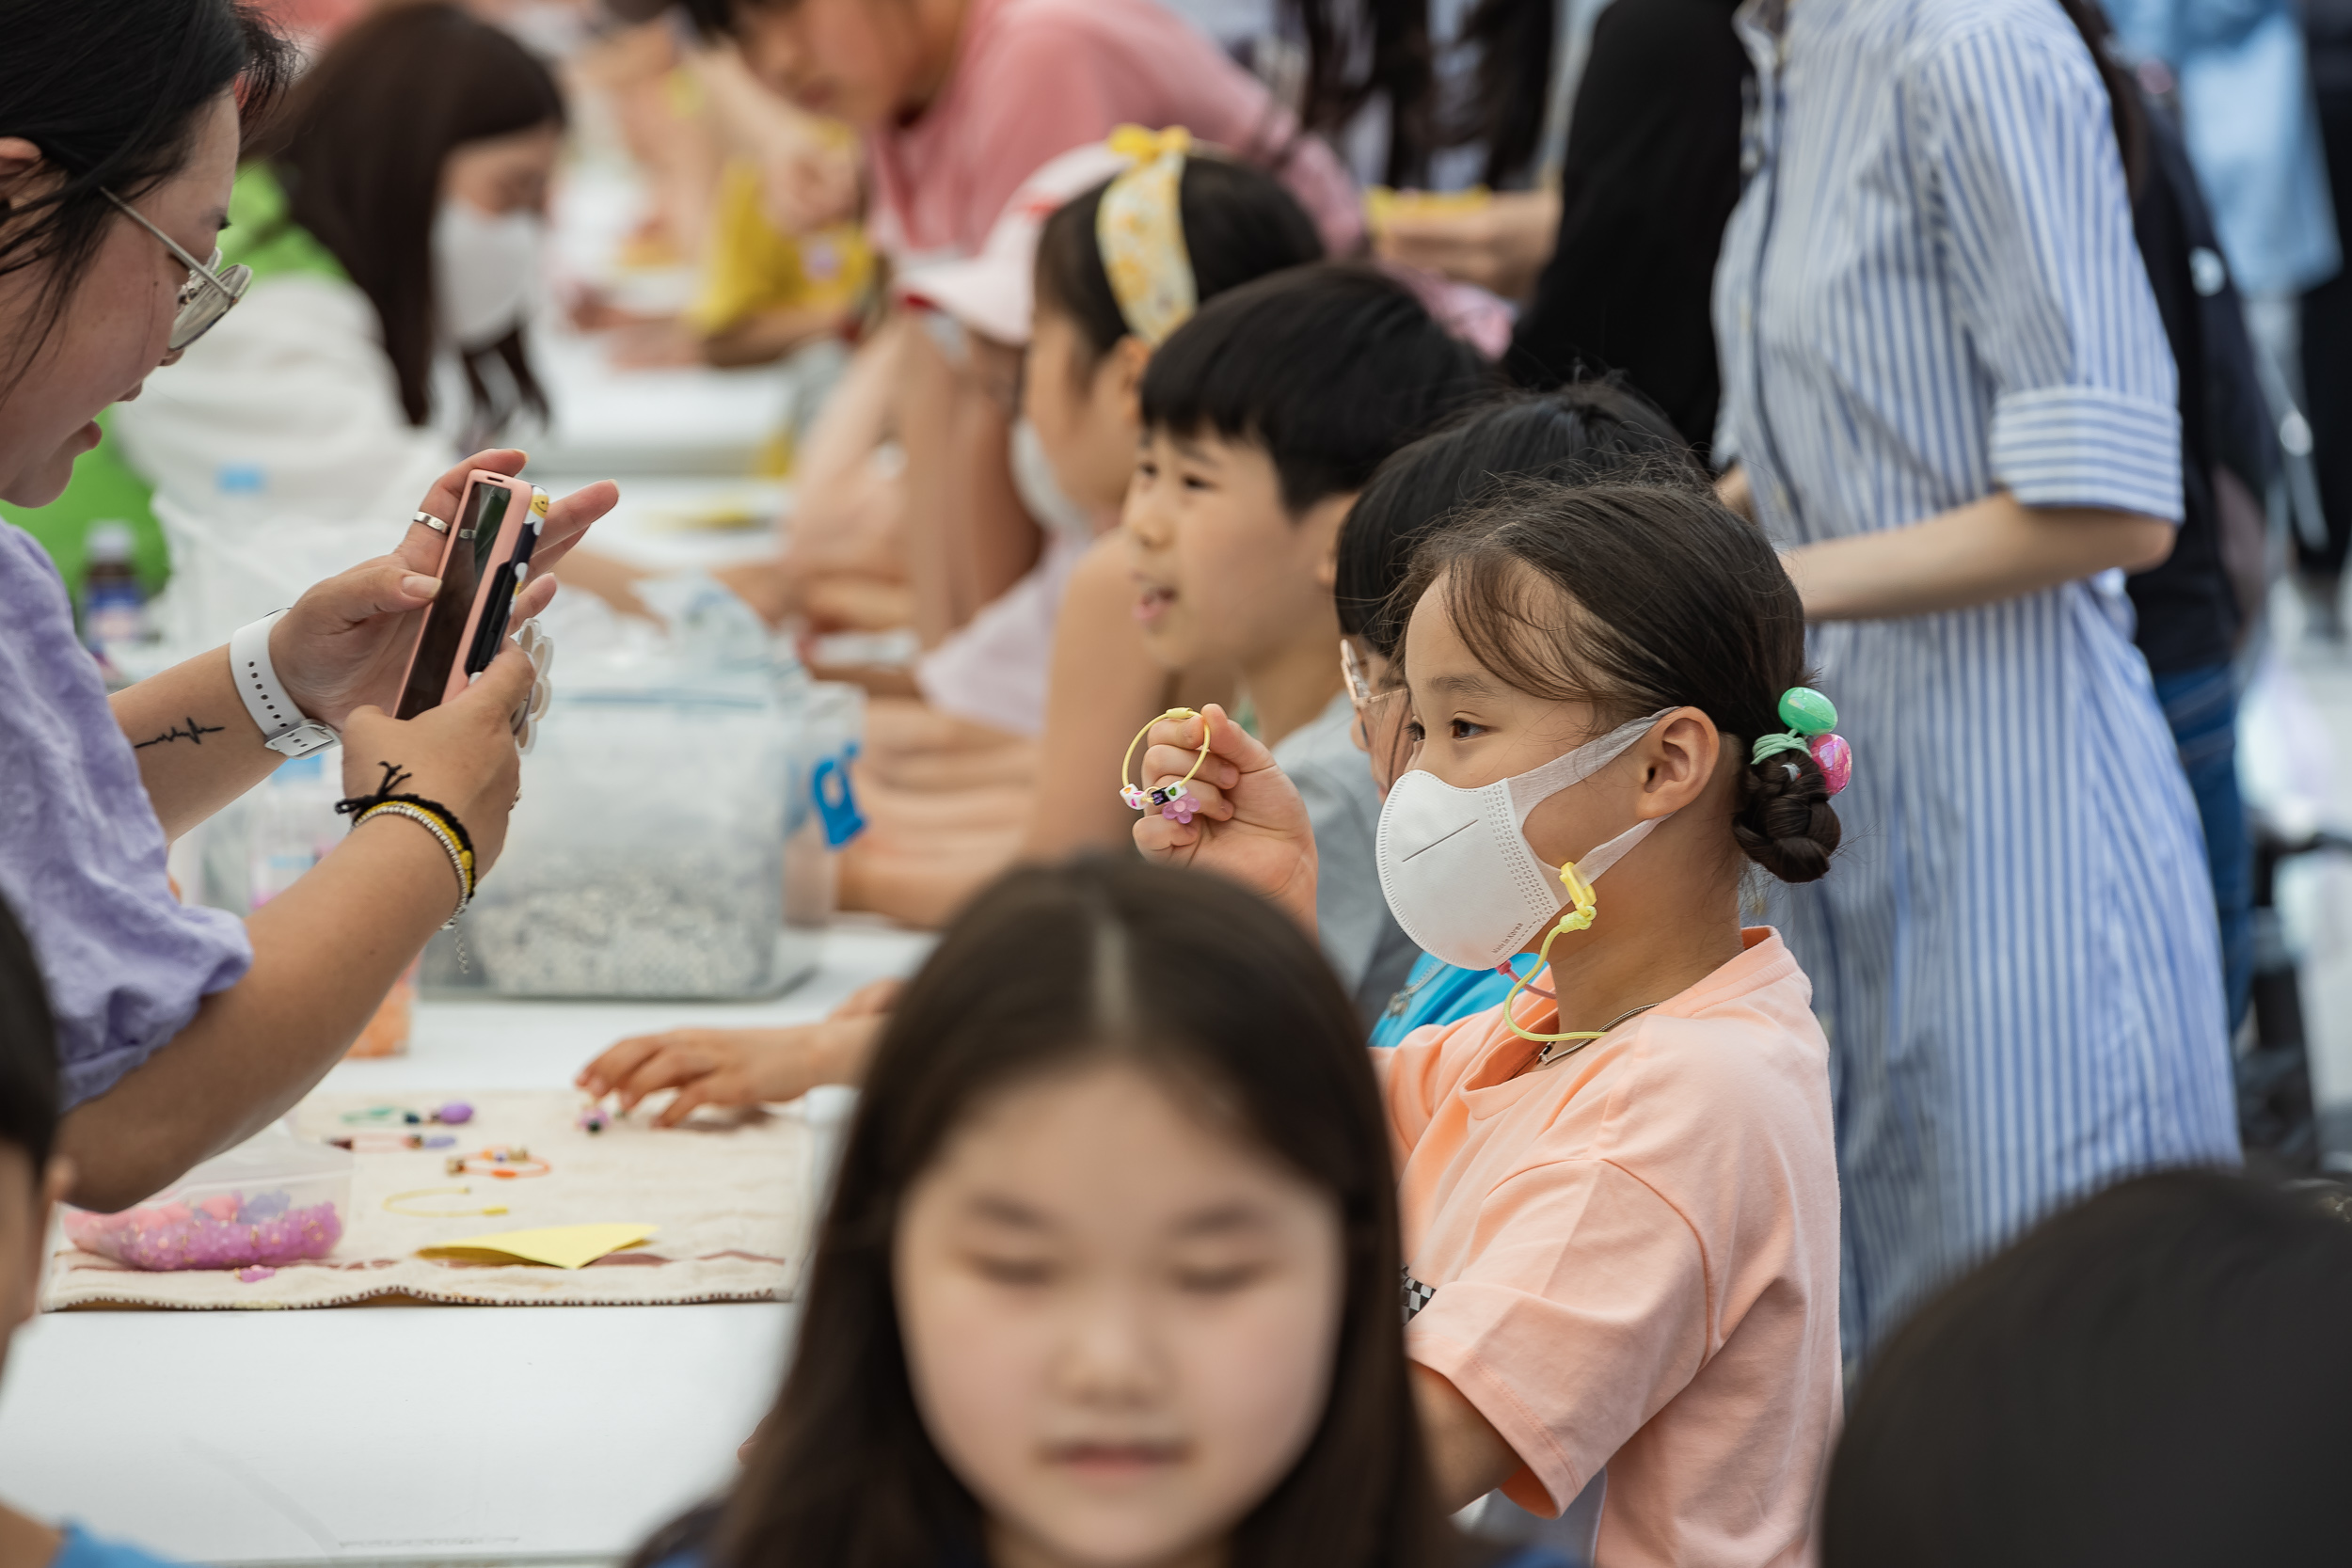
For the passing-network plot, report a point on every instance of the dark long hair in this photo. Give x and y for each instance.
(2156, 1377)
(359, 146)
(1047, 970)
(109, 93)
(1239, 223)
(1585, 431)
(1359, 50)
(1636, 597)
(2123, 100)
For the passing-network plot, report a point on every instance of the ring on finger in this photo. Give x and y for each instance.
(430, 521)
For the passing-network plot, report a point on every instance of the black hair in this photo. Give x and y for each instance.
(111, 93)
(2157, 1377)
(2125, 107)
(712, 19)
(1585, 431)
(1360, 51)
(1635, 597)
(28, 1049)
(1328, 368)
(360, 146)
(1049, 970)
(1240, 223)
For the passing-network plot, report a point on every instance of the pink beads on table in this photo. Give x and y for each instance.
(222, 1231)
(1835, 758)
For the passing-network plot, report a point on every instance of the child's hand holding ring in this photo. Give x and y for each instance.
(1240, 815)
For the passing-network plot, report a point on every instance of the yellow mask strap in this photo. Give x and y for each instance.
(1139, 230)
(1579, 918)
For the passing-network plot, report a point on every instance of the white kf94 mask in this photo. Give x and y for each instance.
(1459, 874)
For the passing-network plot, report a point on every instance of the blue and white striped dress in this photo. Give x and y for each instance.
(1930, 291)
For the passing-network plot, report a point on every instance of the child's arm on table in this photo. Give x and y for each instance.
(743, 1067)
(1249, 825)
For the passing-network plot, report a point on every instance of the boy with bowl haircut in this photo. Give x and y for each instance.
(1263, 416)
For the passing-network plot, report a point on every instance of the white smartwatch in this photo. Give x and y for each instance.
(285, 728)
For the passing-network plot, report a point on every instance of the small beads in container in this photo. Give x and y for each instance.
(264, 1204)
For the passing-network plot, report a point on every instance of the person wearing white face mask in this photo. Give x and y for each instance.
(393, 220)
(1618, 1188)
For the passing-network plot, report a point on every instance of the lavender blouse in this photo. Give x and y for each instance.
(80, 853)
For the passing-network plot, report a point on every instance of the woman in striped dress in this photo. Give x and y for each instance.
(1950, 401)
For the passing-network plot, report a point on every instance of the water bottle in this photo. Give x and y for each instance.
(113, 608)
(293, 822)
(241, 496)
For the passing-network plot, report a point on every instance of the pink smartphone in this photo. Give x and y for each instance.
(483, 565)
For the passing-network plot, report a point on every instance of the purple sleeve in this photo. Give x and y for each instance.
(80, 853)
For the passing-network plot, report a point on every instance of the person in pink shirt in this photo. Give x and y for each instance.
(960, 100)
(957, 103)
(1618, 1189)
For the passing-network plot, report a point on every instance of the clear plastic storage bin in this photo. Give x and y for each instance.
(270, 1201)
(678, 820)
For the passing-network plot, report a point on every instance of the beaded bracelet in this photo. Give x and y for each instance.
(460, 861)
(500, 1161)
(394, 776)
(392, 1204)
(1174, 800)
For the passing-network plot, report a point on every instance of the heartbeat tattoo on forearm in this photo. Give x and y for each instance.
(193, 731)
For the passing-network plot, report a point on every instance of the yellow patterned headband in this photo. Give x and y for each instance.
(1139, 230)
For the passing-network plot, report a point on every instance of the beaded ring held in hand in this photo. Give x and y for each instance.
(1173, 801)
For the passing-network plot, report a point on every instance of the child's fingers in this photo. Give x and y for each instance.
(619, 1060)
(689, 1099)
(1227, 740)
(1207, 798)
(1161, 838)
(669, 1068)
(1163, 763)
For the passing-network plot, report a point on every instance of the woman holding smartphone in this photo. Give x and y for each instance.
(182, 1031)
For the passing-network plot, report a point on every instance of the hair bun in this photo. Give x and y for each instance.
(1784, 822)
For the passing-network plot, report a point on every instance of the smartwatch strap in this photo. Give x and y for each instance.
(285, 728)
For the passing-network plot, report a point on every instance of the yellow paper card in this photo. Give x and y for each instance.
(566, 1247)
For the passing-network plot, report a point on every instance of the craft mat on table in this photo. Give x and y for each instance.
(731, 1202)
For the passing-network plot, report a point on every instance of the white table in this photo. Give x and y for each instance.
(414, 1433)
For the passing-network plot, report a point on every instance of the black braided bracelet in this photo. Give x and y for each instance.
(394, 776)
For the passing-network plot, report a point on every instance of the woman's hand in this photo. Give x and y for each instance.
(460, 754)
(346, 641)
(1248, 822)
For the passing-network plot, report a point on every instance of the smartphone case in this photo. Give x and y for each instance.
(502, 568)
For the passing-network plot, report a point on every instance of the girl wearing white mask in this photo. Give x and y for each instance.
(1618, 1188)
(394, 225)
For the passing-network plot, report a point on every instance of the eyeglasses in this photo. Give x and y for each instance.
(209, 292)
(1360, 690)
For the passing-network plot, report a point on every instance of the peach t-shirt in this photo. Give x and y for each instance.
(1035, 78)
(1630, 1258)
